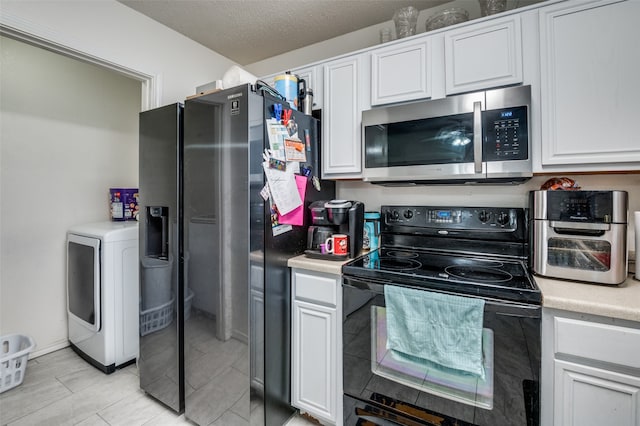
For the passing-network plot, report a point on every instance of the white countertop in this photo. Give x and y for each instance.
(317, 265)
(622, 301)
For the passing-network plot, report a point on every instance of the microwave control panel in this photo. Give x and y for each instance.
(505, 134)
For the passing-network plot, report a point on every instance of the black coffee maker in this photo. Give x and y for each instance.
(335, 217)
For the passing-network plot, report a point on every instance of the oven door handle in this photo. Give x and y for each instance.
(375, 286)
(499, 307)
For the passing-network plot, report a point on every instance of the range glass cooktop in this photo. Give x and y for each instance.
(479, 275)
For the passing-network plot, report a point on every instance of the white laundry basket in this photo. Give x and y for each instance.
(14, 352)
(156, 282)
(157, 318)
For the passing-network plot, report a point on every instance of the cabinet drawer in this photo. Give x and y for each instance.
(315, 287)
(602, 342)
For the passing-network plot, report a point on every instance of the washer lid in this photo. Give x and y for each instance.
(108, 230)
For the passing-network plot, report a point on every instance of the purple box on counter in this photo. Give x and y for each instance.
(123, 203)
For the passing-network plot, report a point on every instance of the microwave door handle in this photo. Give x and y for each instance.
(477, 137)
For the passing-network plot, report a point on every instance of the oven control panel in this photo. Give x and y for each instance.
(461, 218)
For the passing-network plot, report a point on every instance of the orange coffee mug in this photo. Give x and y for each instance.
(338, 244)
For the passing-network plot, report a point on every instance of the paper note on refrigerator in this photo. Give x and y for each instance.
(296, 216)
(277, 134)
(276, 227)
(294, 150)
(284, 190)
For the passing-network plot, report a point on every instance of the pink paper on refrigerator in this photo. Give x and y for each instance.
(296, 216)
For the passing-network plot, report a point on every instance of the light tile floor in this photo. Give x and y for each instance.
(60, 388)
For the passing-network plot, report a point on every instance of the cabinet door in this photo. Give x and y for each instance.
(589, 396)
(401, 73)
(589, 98)
(313, 77)
(483, 56)
(342, 117)
(314, 359)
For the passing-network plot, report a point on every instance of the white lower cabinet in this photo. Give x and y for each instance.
(316, 367)
(587, 396)
(590, 370)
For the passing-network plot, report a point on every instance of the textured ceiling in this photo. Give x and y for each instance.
(247, 31)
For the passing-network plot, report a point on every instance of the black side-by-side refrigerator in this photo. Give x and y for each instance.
(212, 272)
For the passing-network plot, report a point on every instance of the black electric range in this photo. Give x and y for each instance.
(481, 251)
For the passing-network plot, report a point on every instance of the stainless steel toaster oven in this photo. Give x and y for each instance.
(580, 235)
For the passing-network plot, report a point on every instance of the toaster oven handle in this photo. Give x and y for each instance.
(477, 137)
(573, 228)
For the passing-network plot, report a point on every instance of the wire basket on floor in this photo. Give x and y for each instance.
(157, 318)
(14, 352)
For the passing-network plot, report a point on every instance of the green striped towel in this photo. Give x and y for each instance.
(437, 327)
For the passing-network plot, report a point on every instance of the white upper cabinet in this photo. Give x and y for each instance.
(345, 97)
(313, 78)
(401, 72)
(589, 92)
(476, 56)
(484, 55)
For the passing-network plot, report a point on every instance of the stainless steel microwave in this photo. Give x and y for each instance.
(472, 138)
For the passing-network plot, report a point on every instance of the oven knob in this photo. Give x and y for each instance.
(408, 214)
(484, 216)
(395, 215)
(503, 218)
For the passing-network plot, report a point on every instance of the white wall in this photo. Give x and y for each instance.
(59, 155)
(69, 132)
(114, 33)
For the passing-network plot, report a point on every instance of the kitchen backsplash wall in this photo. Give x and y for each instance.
(485, 195)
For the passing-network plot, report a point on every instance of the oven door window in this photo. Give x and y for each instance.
(429, 141)
(587, 255)
(430, 377)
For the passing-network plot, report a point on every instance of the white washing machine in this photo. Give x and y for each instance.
(103, 293)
